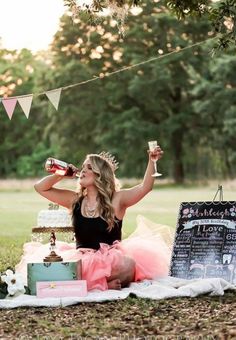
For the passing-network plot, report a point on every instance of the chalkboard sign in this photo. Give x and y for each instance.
(205, 241)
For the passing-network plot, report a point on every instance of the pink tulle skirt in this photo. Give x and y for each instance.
(149, 246)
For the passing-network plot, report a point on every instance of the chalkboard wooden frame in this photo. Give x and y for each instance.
(205, 241)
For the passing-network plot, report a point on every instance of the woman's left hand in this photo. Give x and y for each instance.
(155, 154)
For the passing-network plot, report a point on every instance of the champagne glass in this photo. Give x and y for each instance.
(152, 145)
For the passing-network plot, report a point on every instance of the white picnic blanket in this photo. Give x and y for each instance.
(168, 287)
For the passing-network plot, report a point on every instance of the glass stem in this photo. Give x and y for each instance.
(155, 167)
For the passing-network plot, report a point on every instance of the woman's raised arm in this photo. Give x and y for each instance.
(45, 187)
(129, 197)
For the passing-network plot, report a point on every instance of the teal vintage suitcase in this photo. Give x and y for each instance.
(52, 271)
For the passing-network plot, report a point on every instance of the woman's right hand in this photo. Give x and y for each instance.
(75, 171)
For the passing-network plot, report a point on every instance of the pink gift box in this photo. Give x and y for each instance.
(73, 288)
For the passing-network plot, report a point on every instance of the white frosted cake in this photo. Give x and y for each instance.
(59, 218)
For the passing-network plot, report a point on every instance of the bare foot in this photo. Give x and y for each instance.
(114, 284)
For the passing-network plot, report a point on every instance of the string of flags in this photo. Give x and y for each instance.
(25, 101)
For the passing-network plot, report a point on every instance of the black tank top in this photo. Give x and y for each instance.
(90, 231)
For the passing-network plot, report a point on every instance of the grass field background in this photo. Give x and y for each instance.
(20, 204)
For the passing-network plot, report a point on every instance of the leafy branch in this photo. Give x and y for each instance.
(221, 14)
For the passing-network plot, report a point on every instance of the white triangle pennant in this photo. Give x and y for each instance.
(25, 103)
(54, 97)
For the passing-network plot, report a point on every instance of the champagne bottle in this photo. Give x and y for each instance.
(58, 167)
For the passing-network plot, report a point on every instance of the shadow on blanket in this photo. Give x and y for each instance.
(164, 288)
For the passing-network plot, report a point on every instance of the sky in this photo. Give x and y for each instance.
(29, 23)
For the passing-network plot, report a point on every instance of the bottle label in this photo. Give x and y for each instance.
(62, 164)
(60, 172)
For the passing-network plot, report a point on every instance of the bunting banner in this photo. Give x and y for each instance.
(54, 97)
(9, 105)
(25, 101)
(25, 104)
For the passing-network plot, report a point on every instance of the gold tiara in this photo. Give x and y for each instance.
(110, 159)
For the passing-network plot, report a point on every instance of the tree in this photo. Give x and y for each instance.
(19, 138)
(169, 98)
(134, 106)
(219, 113)
(162, 91)
(221, 14)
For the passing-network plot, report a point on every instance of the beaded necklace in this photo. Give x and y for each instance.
(90, 211)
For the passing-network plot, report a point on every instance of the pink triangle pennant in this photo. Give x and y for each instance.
(9, 105)
(54, 97)
(25, 103)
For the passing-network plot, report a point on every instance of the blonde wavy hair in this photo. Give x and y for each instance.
(106, 184)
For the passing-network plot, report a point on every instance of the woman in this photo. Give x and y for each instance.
(98, 209)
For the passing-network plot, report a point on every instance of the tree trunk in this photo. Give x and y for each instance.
(230, 172)
(177, 139)
(177, 147)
